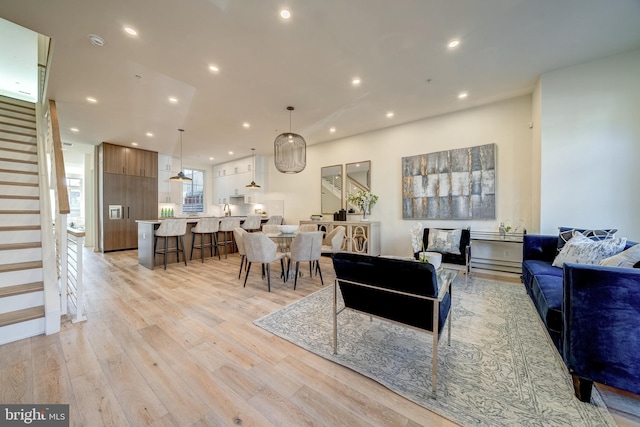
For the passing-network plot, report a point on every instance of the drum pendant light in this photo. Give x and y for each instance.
(180, 177)
(253, 185)
(290, 151)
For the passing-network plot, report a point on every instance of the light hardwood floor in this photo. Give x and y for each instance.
(178, 348)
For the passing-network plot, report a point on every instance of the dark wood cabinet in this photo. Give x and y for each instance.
(125, 197)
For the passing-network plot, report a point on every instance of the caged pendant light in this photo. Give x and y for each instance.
(290, 151)
(253, 185)
(180, 177)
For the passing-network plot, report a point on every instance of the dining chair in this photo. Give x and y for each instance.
(270, 229)
(171, 228)
(305, 228)
(226, 226)
(260, 248)
(238, 234)
(275, 219)
(204, 227)
(306, 247)
(252, 223)
(333, 241)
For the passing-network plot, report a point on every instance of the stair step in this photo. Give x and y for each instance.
(18, 172)
(8, 159)
(24, 245)
(23, 184)
(5, 115)
(16, 150)
(13, 103)
(18, 277)
(19, 190)
(20, 228)
(19, 236)
(15, 125)
(20, 266)
(21, 289)
(21, 315)
(18, 197)
(19, 141)
(17, 132)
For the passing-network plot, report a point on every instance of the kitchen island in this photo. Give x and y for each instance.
(146, 235)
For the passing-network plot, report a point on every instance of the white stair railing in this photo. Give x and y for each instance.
(75, 294)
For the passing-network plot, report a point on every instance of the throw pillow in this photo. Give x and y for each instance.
(444, 241)
(583, 250)
(566, 233)
(628, 258)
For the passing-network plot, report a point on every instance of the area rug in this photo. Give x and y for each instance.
(500, 370)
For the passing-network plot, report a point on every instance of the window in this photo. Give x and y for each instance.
(74, 189)
(193, 192)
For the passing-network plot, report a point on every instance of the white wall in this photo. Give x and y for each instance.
(590, 149)
(504, 123)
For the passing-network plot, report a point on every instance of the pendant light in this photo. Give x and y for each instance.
(290, 151)
(180, 177)
(253, 185)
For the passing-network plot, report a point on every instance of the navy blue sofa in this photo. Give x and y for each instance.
(592, 314)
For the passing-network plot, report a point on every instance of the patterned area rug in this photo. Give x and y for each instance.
(500, 370)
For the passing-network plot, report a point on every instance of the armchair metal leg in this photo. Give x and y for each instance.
(268, 277)
(246, 275)
(318, 271)
(582, 388)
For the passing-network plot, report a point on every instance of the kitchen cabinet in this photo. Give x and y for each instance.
(125, 197)
(231, 179)
(168, 191)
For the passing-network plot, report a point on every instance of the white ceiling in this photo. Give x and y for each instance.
(397, 48)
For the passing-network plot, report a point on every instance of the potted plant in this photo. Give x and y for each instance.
(364, 200)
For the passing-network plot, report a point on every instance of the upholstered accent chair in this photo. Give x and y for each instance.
(171, 228)
(333, 241)
(252, 223)
(306, 246)
(238, 235)
(260, 248)
(206, 227)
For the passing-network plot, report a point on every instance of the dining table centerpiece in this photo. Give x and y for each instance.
(363, 200)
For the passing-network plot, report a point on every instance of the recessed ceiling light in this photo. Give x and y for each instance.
(462, 95)
(214, 68)
(149, 134)
(173, 100)
(96, 40)
(74, 130)
(453, 44)
(211, 158)
(332, 130)
(285, 14)
(231, 153)
(91, 99)
(390, 114)
(134, 143)
(355, 81)
(130, 31)
(246, 125)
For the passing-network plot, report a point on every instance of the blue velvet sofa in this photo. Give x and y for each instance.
(592, 314)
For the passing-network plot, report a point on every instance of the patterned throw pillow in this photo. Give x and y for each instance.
(583, 250)
(444, 241)
(566, 233)
(628, 258)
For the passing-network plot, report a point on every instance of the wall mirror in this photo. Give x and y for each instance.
(331, 189)
(358, 179)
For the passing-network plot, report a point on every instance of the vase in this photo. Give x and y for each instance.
(365, 213)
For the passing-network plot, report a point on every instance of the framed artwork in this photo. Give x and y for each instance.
(453, 184)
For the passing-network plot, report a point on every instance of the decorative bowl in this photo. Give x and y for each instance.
(434, 258)
(316, 217)
(287, 229)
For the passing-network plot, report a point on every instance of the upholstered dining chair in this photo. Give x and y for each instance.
(226, 226)
(252, 223)
(260, 248)
(306, 247)
(171, 228)
(270, 229)
(204, 227)
(238, 234)
(306, 228)
(275, 219)
(332, 242)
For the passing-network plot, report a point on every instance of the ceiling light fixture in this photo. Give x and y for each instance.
(173, 100)
(285, 14)
(149, 134)
(130, 31)
(332, 130)
(390, 114)
(253, 185)
(231, 153)
(290, 151)
(462, 95)
(246, 125)
(453, 44)
(355, 82)
(180, 177)
(91, 99)
(214, 68)
(74, 130)
(96, 40)
(135, 144)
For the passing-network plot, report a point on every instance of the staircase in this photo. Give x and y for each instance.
(22, 311)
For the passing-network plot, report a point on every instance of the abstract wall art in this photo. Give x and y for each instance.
(453, 184)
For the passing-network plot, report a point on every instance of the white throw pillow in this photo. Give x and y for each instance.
(582, 250)
(444, 241)
(627, 258)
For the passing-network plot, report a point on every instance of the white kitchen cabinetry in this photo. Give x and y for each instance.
(231, 179)
(168, 191)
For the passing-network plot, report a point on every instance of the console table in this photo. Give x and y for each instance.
(362, 237)
(491, 251)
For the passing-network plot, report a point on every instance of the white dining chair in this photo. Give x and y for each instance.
(333, 241)
(238, 235)
(306, 247)
(260, 248)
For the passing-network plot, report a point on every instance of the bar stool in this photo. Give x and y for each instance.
(252, 223)
(226, 226)
(204, 227)
(171, 228)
